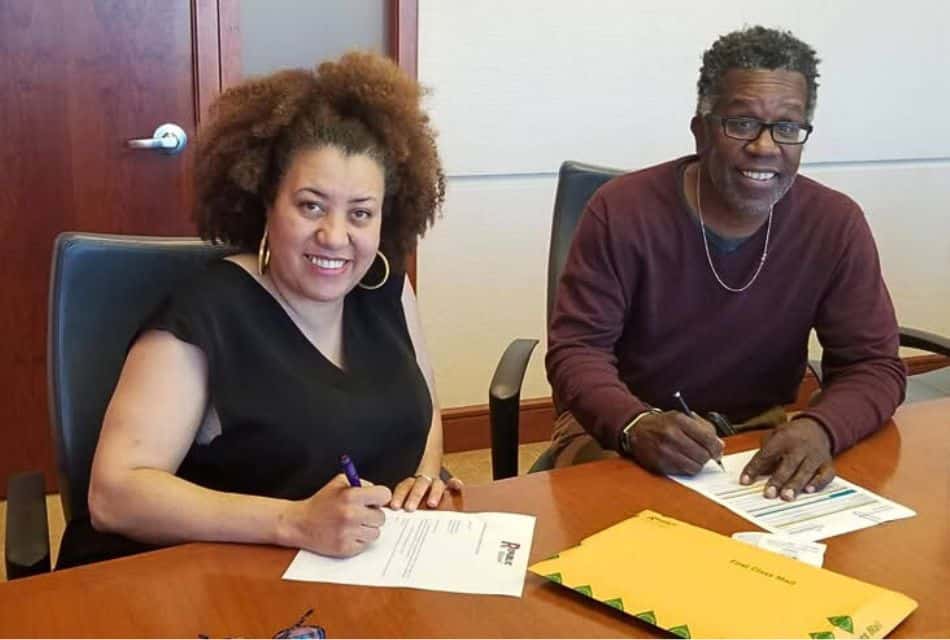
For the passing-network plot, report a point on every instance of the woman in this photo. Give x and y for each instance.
(243, 390)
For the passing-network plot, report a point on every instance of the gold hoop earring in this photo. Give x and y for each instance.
(373, 287)
(263, 255)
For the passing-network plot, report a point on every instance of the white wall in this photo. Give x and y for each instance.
(908, 208)
(521, 86)
(482, 277)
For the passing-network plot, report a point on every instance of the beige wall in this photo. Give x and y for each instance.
(482, 276)
(907, 206)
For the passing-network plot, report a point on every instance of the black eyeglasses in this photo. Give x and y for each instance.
(782, 132)
(301, 630)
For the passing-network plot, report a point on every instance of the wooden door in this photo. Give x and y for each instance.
(79, 78)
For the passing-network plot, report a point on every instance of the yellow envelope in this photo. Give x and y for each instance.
(696, 583)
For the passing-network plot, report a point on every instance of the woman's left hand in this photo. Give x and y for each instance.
(409, 493)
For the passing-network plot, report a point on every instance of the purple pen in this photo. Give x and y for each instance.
(349, 470)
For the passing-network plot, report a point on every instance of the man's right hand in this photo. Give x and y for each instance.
(674, 443)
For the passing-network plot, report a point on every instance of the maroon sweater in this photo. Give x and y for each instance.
(639, 314)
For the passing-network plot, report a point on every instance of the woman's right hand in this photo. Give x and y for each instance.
(338, 520)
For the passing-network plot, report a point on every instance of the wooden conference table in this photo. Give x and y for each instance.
(222, 590)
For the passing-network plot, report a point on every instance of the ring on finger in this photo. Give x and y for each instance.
(422, 475)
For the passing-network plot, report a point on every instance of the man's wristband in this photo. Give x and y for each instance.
(624, 444)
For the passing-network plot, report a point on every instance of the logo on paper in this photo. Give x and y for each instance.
(506, 554)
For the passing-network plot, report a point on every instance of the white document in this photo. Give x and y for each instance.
(483, 553)
(812, 553)
(838, 508)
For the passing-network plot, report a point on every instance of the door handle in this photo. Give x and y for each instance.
(168, 138)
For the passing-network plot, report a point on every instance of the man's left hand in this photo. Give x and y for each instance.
(798, 457)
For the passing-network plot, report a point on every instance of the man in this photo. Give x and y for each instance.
(705, 275)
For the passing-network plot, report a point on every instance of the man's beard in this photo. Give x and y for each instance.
(731, 195)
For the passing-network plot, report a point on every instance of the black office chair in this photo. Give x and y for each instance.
(102, 288)
(933, 384)
(928, 385)
(577, 182)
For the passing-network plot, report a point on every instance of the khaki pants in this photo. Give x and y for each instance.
(571, 444)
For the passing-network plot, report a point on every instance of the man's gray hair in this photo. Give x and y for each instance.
(755, 48)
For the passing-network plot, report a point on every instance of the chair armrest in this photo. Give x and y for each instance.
(504, 405)
(909, 337)
(27, 541)
(925, 340)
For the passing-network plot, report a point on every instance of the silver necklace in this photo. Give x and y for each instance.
(702, 225)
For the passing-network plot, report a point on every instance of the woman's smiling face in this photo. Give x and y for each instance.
(324, 225)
